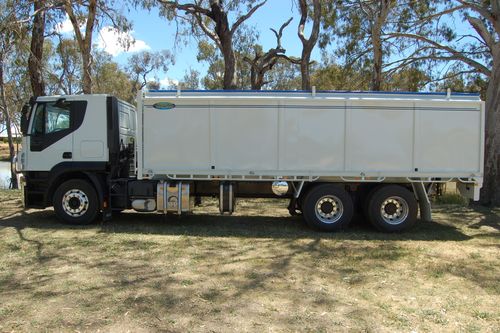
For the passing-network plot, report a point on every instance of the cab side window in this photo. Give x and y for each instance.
(54, 120)
(51, 117)
(57, 118)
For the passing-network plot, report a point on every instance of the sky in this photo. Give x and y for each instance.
(153, 33)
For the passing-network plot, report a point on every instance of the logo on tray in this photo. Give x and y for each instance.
(164, 106)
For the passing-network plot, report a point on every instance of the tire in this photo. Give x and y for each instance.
(392, 208)
(327, 207)
(75, 202)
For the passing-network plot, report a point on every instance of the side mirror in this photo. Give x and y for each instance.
(25, 112)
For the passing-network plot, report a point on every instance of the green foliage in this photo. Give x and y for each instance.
(352, 27)
(244, 44)
(284, 76)
(65, 67)
(460, 82)
(191, 80)
(337, 77)
(143, 65)
(407, 79)
(110, 79)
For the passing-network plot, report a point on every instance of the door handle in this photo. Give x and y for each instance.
(67, 154)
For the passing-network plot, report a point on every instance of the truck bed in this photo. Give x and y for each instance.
(348, 135)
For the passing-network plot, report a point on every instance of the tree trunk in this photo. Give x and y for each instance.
(87, 72)
(84, 42)
(381, 13)
(490, 193)
(36, 50)
(376, 84)
(230, 78)
(305, 70)
(308, 44)
(8, 124)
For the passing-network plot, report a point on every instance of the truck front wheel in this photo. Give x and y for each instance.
(327, 207)
(75, 202)
(392, 208)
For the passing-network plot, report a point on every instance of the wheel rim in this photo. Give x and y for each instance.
(329, 209)
(75, 203)
(394, 210)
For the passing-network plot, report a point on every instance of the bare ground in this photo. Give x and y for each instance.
(259, 270)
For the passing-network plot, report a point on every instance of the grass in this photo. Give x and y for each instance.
(258, 270)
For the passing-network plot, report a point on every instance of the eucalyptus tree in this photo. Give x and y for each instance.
(65, 67)
(36, 48)
(141, 66)
(13, 31)
(244, 44)
(85, 17)
(308, 42)
(475, 50)
(261, 63)
(211, 19)
(109, 78)
(357, 29)
(190, 80)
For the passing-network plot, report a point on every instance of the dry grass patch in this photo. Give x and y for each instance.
(257, 270)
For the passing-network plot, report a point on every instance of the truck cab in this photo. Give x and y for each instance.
(85, 138)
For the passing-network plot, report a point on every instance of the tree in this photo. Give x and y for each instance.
(244, 41)
(87, 14)
(36, 49)
(108, 78)
(12, 34)
(284, 76)
(478, 53)
(142, 65)
(65, 67)
(211, 17)
(191, 80)
(261, 63)
(308, 44)
(332, 76)
(358, 28)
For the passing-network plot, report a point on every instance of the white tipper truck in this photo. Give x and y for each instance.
(328, 153)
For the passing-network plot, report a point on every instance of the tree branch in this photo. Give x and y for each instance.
(190, 7)
(455, 55)
(245, 17)
(482, 31)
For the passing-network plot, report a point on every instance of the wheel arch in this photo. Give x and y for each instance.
(62, 173)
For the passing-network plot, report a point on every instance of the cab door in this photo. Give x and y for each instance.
(50, 139)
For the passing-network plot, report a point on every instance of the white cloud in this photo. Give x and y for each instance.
(65, 27)
(109, 39)
(116, 42)
(167, 83)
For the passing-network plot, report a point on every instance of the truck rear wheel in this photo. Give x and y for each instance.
(75, 202)
(392, 208)
(327, 207)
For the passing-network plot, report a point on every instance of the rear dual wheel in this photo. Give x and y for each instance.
(327, 207)
(391, 208)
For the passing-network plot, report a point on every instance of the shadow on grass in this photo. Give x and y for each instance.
(205, 225)
(489, 220)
